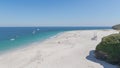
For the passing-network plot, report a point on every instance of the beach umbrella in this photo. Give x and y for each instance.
(116, 27)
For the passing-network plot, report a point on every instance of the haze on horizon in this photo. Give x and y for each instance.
(59, 12)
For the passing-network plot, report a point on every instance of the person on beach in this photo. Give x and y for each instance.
(94, 37)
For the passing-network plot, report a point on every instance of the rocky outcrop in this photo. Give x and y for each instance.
(101, 55)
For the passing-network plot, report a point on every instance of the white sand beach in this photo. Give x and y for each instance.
(71, 49)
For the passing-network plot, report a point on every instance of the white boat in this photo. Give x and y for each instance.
(38, 29)
(12, 39)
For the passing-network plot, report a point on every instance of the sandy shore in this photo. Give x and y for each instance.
(72, 49)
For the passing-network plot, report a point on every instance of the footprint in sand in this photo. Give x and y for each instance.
(90, 66)
(38, 59)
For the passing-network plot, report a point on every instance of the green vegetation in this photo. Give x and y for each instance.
(109, 49)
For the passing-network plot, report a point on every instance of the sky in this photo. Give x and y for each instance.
(59, 12)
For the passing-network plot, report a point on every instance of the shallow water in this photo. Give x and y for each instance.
(14, 37)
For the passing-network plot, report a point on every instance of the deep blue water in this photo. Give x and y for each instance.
(14, 37)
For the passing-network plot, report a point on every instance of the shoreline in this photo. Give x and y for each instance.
(24, 46)
(66, 50)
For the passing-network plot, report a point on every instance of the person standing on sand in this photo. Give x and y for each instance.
(94, 37)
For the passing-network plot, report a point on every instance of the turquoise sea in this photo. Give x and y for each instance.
(15, 37)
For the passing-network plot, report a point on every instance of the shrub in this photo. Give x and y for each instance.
(109, 49)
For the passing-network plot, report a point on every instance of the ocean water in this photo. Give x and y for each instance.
(15, 37)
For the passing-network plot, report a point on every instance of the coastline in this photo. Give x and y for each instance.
(70, 49)
(27, 45)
